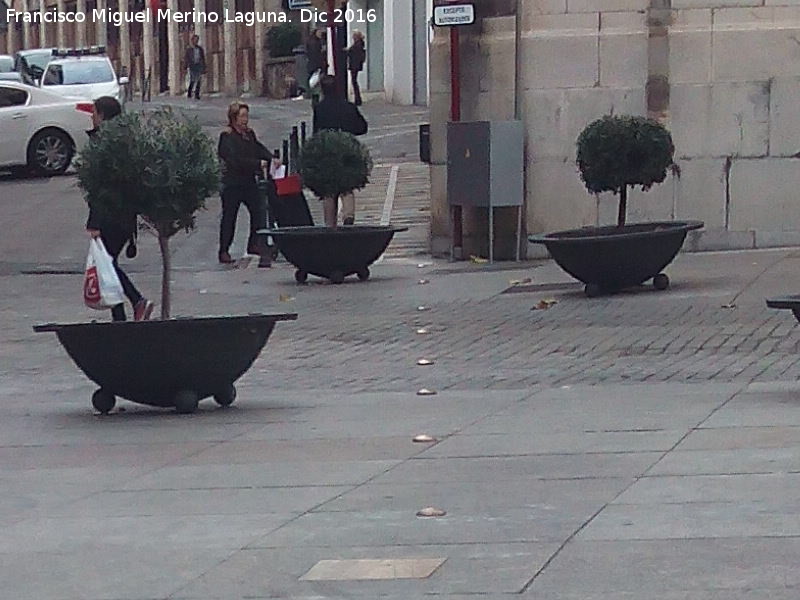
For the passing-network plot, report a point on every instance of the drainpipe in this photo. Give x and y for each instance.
(518, 116)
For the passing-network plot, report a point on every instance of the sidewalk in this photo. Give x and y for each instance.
(635, 447)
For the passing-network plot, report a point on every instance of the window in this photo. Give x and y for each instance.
(12, 97)
(78, 73)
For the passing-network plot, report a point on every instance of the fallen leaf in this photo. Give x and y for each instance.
(729, 306)
(423, 281)
(426, 392)
(525, 281)
(422, 331)
(424, 362)
(478, 260)
(424, 439)
(545, 304)
(422, 308)
(286, 298)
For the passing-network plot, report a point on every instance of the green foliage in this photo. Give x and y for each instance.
(282, 39)
(619, 151)
(333, 163)
(157, 165)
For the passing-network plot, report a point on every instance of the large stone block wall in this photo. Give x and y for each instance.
(723, 75)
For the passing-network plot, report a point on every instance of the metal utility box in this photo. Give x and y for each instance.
(485, 167)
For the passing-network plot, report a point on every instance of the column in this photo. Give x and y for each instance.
(148, 48)
(42, 25)
(100, 26)
(200, 26)
(11, 38)
(125, 47)
(80, 28)
(259, 35)
(61, 34)
(26, 27)
(173, 41)
(229, 50)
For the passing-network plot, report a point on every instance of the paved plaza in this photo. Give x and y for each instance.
(632, 447)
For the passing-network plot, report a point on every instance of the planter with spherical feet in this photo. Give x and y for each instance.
(610, 259)
(333, 253)
(174, 363)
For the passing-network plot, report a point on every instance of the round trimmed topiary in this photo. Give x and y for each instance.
(282, 39)
(333, 163)
(616, 152)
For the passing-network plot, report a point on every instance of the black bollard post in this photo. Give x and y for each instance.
(294, 149)
(302, 133)
(286, 154)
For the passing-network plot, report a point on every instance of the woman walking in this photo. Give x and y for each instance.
(356, 56)
(116, 231)
(243, 159)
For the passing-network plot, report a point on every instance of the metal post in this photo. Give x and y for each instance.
(286, 154)
(302, 133)
(294, 149)
(455, 115)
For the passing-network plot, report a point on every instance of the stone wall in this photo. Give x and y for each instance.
(723, 75)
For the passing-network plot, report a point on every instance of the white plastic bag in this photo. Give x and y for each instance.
(315, 79)
(101, 285)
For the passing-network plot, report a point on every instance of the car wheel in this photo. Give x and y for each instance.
(50, 152)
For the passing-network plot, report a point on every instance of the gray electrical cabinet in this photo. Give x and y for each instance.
(485, 167)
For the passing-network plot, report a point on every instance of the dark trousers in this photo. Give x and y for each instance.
(232, 198)
(356, 88)
(195, 77)
(115, 241)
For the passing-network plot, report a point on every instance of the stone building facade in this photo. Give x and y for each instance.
(722, 75)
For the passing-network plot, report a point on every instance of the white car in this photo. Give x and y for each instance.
(41, 130)
(87, 77)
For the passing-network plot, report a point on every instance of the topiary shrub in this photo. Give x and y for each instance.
(333, 163)
(158, 166)
(616, 152)
(283, 39)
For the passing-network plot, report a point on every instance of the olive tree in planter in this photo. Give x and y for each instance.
(333, 163)
(162, 168)
(616, 153)
(158, 166)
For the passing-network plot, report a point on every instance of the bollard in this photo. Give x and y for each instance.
(302, 133)
(294, 150)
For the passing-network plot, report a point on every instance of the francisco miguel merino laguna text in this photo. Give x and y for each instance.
(249, 18)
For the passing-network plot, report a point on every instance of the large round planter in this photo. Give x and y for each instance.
(333, 253)
(787, 303)
(173, 363)
(609, 259)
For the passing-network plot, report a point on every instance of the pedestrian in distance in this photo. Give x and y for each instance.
(117, 230)
(243, 159)
(336, 113)
(356, 56)
(195, 61)
(316, 60)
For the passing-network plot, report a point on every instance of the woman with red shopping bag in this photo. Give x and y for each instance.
(116, 232)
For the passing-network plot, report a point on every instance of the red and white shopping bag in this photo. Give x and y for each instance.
(101, 285)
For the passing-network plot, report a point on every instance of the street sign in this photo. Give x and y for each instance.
(297, 4)
(452, 15)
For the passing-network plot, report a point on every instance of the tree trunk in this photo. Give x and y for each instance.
(623, 205)
(166, 267)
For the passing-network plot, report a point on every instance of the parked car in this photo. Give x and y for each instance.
(40, 130)
(6, 63)
(83, 73)
(30, 64)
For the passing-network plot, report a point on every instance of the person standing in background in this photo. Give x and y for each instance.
(356, 56)
(195, 60)
(316, 58)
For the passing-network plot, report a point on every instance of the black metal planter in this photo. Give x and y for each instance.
(787, 303)
(610, 259)
(174, 363)
(333, 253)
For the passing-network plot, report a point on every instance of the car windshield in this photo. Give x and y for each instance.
(78, 73)
(6, 64)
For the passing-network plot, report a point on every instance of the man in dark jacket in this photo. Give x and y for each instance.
(316, 59)
(338, 114)
(195, 60)
(356, 56)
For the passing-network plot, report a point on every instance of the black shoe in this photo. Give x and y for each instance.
(349, 221)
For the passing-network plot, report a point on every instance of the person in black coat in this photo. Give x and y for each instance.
(316, 58)
(195, 61)
(116, 232)
(243, 160)
(338, 114)
(356, 56)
